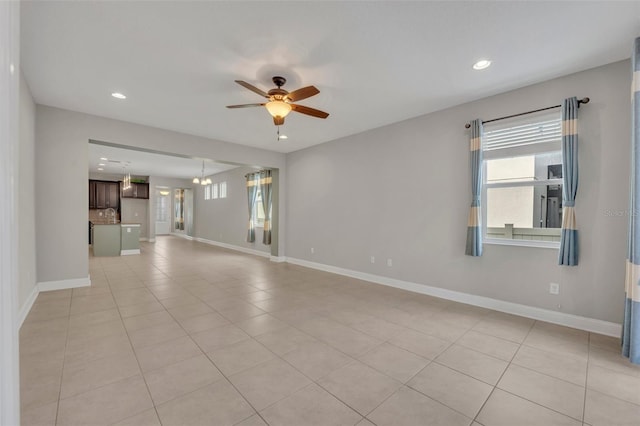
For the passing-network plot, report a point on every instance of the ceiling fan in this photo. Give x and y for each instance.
(280, 101)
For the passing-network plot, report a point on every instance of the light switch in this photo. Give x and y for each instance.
(128, 229)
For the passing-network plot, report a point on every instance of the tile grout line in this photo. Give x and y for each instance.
(64, 358)
(586, 379)
(212, 362)
(135, 354)
(475, 419)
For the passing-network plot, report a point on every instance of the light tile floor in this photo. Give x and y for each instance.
(189, 334)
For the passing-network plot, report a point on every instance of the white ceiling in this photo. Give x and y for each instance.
(374, 62)
(145, 163)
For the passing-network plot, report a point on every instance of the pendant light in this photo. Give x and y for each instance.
(126, 181)
(201, 180)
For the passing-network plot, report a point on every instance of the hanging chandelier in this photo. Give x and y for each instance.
(201, 180)
(126, 181)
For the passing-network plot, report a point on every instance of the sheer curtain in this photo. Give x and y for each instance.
(266, 190)
(252, 192)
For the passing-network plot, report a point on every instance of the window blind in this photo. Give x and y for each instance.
(547, 130)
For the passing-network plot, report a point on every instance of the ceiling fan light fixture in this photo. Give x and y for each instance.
(278, 108)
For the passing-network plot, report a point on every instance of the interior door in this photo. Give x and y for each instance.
(163, 211)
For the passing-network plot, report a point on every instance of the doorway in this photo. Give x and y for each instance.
(183, 211)
(163, 212)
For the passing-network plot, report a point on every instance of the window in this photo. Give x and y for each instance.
(522, 185)
(215, 191)
(258, 210)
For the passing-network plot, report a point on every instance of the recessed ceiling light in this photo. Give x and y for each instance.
(101, 164)
(118, 95)
(283, 137)
(103, 158)
(482, 64)
(100, 168)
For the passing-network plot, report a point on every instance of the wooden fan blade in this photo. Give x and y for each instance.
(252, 88)
(278, 121)
(303, 93)
(244, 106)
(309, 111)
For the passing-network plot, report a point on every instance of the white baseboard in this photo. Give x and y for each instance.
(560, 318)
(49, 286)
(143, 239)
(185, 236)
(152, 240)
(278, 259)
(64, 284)
(26, 308)
(233, 247)
(129, 252)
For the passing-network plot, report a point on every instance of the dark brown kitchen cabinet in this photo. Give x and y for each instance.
(92, 194)
(104, 195)
(136, 190)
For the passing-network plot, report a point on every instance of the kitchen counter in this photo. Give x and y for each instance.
(119, 239)
(129, 239)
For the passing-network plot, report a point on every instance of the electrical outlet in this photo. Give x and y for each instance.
(313, 250)
(373, 259)
(554, 288)
(389, 262)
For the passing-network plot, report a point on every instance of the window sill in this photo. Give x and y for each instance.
(523, 243)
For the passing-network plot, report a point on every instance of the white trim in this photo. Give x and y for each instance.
(524, 183)
(64, 284)
(143, 239)
(49, 286)
(523, 243)
(232, 247)
(129, 252)
(152, 240)
(26, 308)
(130, 225)
(9, 186)
(278, 259)
(185, 236)
(561, 318)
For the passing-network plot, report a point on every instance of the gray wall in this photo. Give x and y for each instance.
(225, 220)
(134, 210)
(403, 192)
(61, 156)
(26, 196)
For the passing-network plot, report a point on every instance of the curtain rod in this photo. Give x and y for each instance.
(257, 171)
(581, 101)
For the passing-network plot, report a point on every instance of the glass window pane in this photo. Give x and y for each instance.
(546, 165)
(258, 210)
(525, 212)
